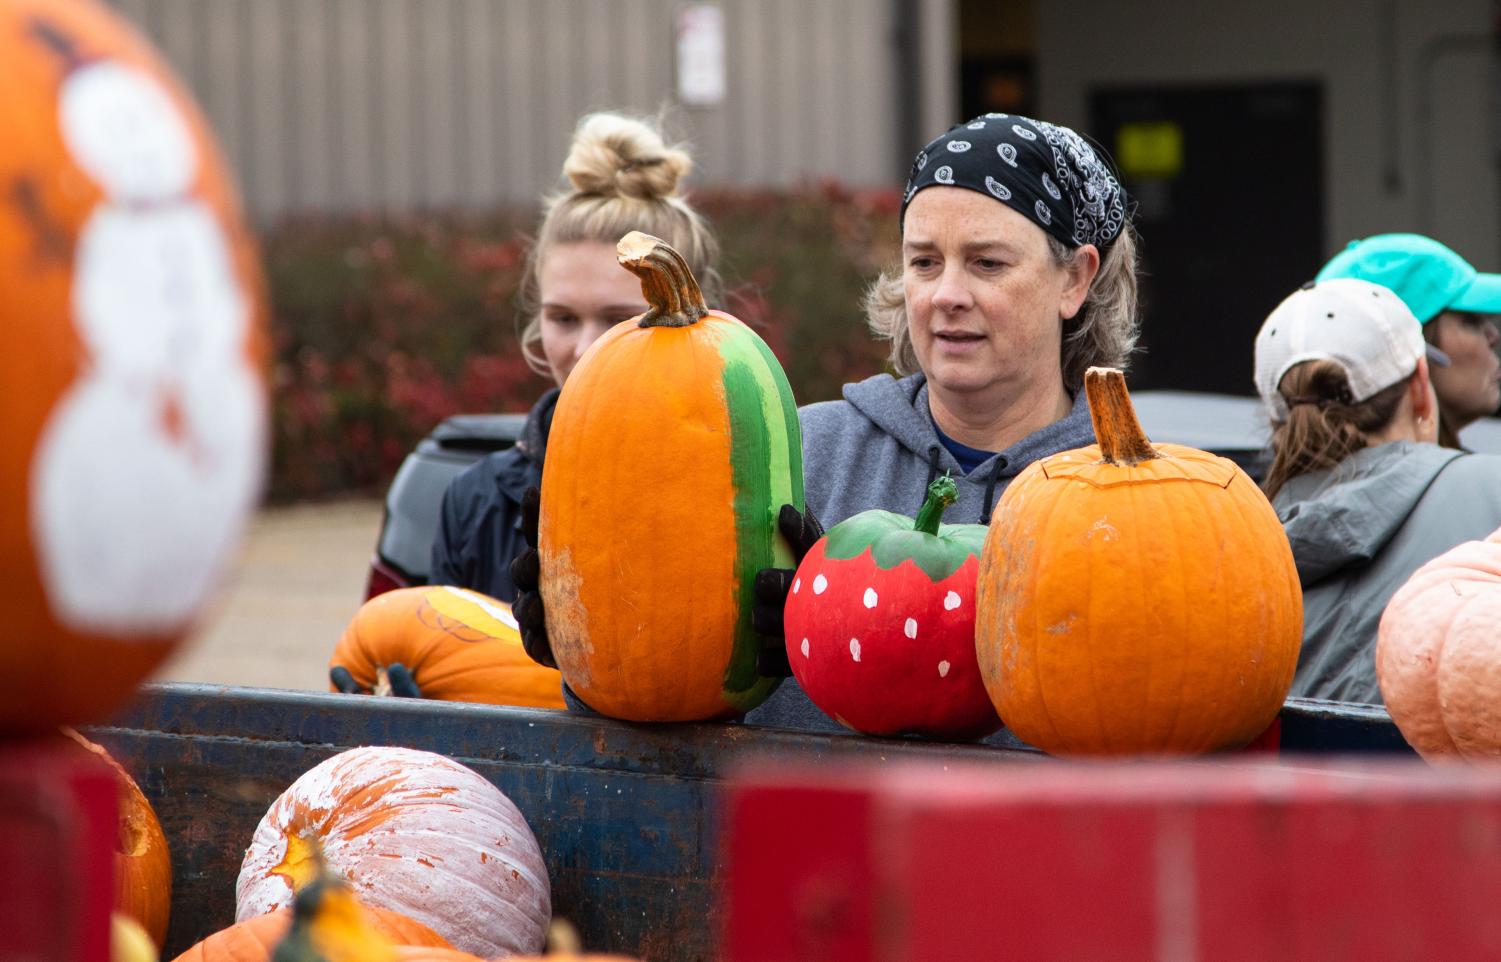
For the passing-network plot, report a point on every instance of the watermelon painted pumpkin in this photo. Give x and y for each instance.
(143, 864)
(132, 417)
(674, 444)
(457, 644)
(880, 623)
(1136, 599)
(413, 832)
(1438, 654)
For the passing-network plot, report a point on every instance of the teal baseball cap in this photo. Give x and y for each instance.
(1428, 276)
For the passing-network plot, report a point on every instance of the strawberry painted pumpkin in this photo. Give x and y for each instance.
(414, 832)
(132, 419)
(143, 865)
(1438, 654)
(1136, 598)
(254, 939)
(648, 588)
(880, 623)
(458, 645)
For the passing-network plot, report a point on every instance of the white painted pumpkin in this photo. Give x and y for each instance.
(414, 832)
(1438, 654)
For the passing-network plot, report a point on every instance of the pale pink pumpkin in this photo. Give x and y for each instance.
(1438, 654)
(414, 832)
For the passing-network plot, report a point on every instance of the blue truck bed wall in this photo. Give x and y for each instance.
(625, 814)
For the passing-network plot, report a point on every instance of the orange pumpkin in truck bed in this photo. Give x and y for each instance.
(456, 645)
(1136, 599)
(143, 864)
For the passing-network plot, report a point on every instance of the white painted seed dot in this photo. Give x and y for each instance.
(951, 600)
(820, 585)
(796, 584)
(911, 628)
(943, 669)
(870, 597)
(805, 647)
(855, 648)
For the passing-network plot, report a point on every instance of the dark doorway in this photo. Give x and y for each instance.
(996, 40)
(1228, 183)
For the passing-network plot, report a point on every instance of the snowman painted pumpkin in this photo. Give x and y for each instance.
(132, 421)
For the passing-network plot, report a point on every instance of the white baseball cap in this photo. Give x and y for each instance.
(1363, 327)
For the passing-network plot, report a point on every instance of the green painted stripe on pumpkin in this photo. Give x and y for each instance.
(767, 471)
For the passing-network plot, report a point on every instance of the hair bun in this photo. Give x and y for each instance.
(614, 155)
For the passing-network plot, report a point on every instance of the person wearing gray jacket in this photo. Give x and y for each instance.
(1018, 273)
(1363, 490)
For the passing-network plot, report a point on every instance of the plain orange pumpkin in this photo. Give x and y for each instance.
(1438, 654)
(143, 864)
(133, 414)
(458, 644)
(1136, 598)
(254, 939)
(648, 581)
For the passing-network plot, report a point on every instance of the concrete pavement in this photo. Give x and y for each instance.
(299, 578)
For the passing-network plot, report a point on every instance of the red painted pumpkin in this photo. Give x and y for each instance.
(1136, 599)
(254, 939)
(132, 420)
(413, 832)
(880, 624)
(459, 645)
(143, 865)
(1438, 654)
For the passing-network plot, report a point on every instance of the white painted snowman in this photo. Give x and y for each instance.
(150, 463)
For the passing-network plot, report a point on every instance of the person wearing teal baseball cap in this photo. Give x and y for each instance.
(1456, 305)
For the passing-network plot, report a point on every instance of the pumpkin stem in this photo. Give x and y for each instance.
(1122, 441)
(563, 938)
(941, 493)
(666, 281)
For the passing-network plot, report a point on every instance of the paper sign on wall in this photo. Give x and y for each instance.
(700, 55)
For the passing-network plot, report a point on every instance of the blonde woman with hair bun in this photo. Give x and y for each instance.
(620, 175)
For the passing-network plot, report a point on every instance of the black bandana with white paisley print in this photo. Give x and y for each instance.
(1043, 171)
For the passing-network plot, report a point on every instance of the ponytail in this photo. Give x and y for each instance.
(1324, 424)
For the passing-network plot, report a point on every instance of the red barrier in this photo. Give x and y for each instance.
(58, 820)
(1217, 861)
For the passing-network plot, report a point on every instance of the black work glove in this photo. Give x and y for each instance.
(802, 531)
(526, 573)
(397, 677)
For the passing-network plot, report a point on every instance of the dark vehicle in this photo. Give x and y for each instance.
(403, 550)
(1230, 426)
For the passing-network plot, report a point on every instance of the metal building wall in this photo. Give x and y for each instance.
(397, 105)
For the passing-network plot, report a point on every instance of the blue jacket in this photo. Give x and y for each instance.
(479, 525)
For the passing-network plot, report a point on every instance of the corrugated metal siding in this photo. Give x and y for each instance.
(345, 105)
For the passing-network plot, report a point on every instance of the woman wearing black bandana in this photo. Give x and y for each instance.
(1018, 273)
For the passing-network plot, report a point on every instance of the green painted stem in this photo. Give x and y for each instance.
(941, 493)
(667, 283)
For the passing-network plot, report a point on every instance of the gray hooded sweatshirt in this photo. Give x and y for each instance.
(878, 449)
(1359, 531)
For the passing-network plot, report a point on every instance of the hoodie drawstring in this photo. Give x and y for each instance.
(995, 475)
(932, 471)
